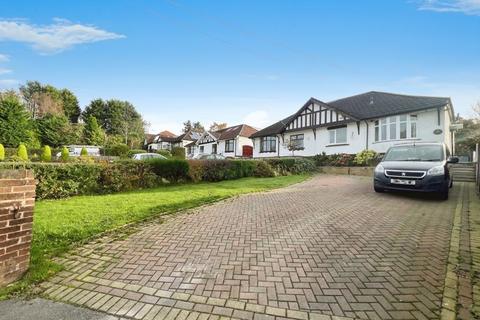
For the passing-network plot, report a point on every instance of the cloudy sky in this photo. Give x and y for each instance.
(242, 60)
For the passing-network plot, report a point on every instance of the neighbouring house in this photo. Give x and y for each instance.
(167, 140)
(372, 120)
(162, 141)
(232, 142)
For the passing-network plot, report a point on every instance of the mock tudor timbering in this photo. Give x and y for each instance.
(373, 120)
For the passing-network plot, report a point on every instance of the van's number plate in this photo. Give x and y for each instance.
(404, 182)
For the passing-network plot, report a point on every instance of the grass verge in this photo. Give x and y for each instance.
(59, 225)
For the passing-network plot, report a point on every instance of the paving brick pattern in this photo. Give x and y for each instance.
(329, 248)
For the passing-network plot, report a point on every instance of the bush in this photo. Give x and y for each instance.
(22, 152)
(178, 152)
(65, 155)
(173, 170)
(285, 166)
(120, 150)
(164, 153)
(125, 175)
(365, 157)
(218, 170)
(83, 152)
(135, 151)
(2, 152)
(196, 170)
(321, 159)
(46, 154)
(263, 170)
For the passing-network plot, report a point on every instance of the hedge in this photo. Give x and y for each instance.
(60, 180)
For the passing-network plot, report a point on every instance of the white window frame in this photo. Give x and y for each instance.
(383, 128)
(333, 133)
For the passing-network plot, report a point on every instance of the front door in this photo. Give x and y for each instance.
(214, 148)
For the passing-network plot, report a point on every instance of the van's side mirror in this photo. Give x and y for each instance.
(452, 160)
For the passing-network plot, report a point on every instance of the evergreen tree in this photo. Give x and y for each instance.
(2, 152)
(65, 154)
(22, 152)
(15, 123)
(92, 132)
(46, 154)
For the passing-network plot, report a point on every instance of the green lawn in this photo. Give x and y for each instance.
(60, 224)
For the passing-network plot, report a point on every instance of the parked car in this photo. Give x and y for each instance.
(206, 156)
(420, 167)
(147, 156)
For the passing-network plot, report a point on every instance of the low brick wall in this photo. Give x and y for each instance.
(17, 201)
(354, 171)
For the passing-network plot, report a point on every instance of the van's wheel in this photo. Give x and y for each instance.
(378, 189)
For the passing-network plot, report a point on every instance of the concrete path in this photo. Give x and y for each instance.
(41, 309)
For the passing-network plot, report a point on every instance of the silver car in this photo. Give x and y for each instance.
(147, 156)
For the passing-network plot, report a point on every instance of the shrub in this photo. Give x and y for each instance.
(120, 150)
(22, 152)
(2, 152)
(125, 175)
(285, 166)
(46, 154)
(263, 170)
(178, 152)
(196, 170)
(321, 159)
(164, 153)
(65, 155)
(343, 160)
(173, 170)
(303, 165)
(365, 157)
(83, 152)
(135, 151)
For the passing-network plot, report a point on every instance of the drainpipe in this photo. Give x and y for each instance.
(366, 138)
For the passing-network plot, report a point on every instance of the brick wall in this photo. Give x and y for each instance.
(17, 200)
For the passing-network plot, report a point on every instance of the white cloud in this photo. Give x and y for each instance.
(4, 71)
(156, 125)
(53, 38)
(258, 119)
(469, 7)
(3, 58)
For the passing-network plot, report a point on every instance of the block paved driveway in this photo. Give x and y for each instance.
(324, 249)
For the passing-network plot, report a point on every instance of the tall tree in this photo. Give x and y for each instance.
(46, 99)
(15, 122)
(92, 132)
(217, 126)
(117, 118)
(71, 108)
(194, 126)
(41, 100)
(55, 130)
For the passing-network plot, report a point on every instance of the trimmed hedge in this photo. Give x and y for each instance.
(286, 166)
(173, 170)
(60, 180)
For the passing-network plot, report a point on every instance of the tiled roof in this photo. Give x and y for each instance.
(273, 129)
(368, 105)
(241, 130)
(376, 104)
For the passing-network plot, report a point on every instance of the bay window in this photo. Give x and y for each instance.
(396, 127)
(268, 144)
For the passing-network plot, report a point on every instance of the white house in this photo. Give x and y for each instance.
(373, 120)
(231, 142)
(166, 140)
